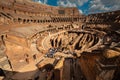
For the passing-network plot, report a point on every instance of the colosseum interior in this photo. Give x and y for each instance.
(42, 42)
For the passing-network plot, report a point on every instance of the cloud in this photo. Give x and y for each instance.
(81, 2)
(71, 3)
(81, 11)
(66, 3)
(45, 1)
(104, 5)
(41, 1)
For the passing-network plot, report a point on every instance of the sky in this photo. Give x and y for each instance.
(86, 6)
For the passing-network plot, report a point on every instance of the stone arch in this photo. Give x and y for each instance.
(2, 72)
(24, 20)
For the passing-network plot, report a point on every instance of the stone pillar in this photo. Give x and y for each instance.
(58, 74)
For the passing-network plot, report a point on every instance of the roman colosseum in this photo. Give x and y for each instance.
(42, 42)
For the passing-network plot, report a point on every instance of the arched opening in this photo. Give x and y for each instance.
(52, 42)
(38, 21)
(24, 20)
(2, 72)
(2, 8)
(26, 58)
(31, 20)
(28, 21)
(2, 38)
(19, 20)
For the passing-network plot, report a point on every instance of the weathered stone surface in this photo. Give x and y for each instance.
(31, 32)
